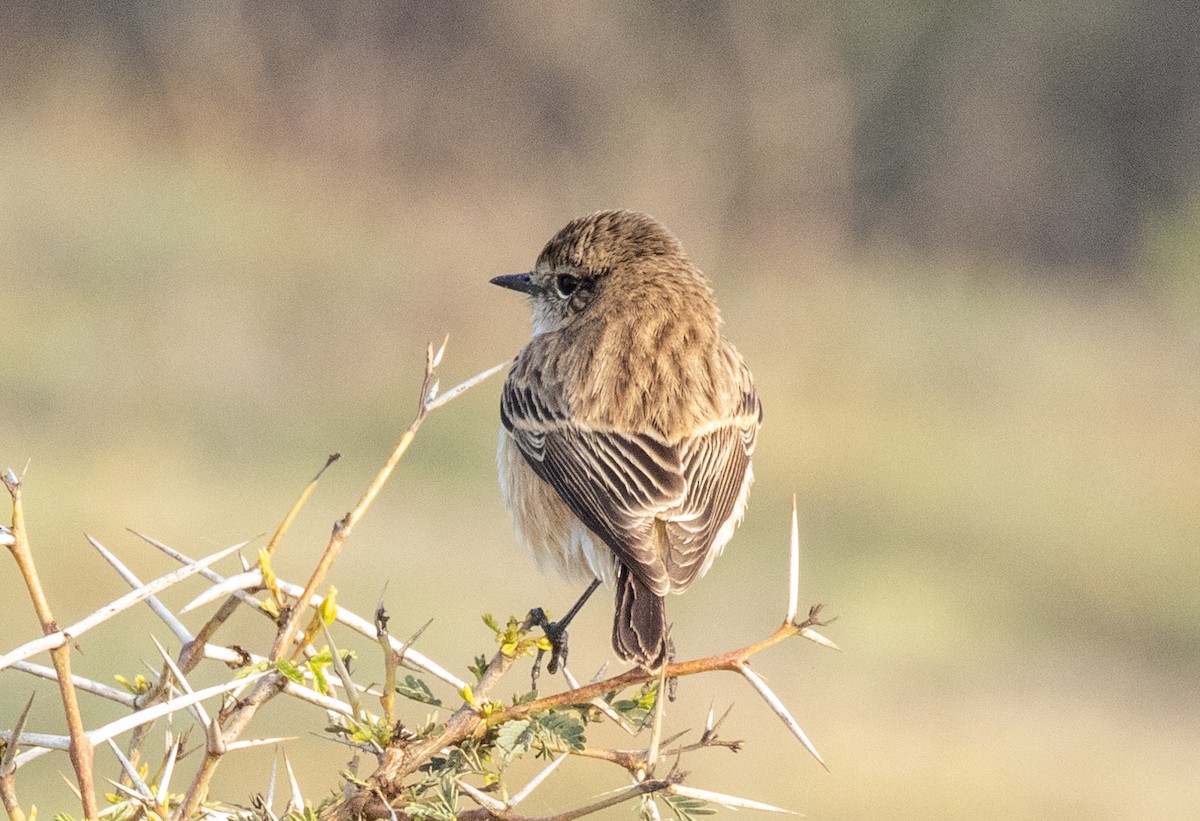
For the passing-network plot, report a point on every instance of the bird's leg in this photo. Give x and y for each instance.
(556, 631)
(673, 681)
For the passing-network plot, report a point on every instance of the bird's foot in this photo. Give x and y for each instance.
(556, 632)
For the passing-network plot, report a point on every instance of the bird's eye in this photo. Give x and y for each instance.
(566, 284)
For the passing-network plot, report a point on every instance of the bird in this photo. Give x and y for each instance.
(628, 423)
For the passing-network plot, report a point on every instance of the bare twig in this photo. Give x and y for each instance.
(81, 749)
(346, 524)
(387, 699)
(299, 503)
(236, 721)
(8, 770)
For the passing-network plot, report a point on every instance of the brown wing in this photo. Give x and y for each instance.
(716, 464)
(616, 483)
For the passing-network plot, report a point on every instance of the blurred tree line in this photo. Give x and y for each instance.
(1040, 134)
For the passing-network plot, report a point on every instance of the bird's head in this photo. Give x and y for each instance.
(614, 256)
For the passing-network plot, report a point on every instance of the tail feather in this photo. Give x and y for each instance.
(640, 624)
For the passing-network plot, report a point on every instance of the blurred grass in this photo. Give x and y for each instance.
(997, 471)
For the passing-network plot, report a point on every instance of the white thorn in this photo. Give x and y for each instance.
(120, 806)
(44, 741)
(197, 708)
(794, 568)
(656, 729)
(817, 638)
(297, 799)
(482, 799)
(460, 388)
(163, 612)
(164, 783)
(536, 781)
(258, 742)
(130, 770)
(132, 793)
(270, 802)
(248, 580)
(437, 357)
(599, 703)
(36, 752)
(126, 723)
(777, 706)
(730, 801)
(114, 608)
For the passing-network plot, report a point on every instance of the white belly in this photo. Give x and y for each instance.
(546, 526)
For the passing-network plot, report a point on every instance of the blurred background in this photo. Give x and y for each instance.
(957, 243)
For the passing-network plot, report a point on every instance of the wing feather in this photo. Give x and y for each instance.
(716, 469)
(639, 477)
(619, 484)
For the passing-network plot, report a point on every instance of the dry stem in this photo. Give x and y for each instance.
(81, 749)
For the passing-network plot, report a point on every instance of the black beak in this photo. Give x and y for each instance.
(516, 282)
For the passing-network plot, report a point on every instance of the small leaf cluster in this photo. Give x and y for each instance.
(545, 733)
(295, 671)
(687, 808)
(417, 690)
(638, 709)
(513, 638)
(139, 686)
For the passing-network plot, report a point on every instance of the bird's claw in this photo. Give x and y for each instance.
(556, 632)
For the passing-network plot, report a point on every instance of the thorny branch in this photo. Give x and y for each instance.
(236, 721)
(81, 748)
(381, 795)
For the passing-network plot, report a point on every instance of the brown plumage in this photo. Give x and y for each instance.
(628, 421)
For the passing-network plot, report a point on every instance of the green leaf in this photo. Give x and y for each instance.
(417, 690)
(290, 670)
(250, 669)
(317, 665)
(328, 608)
(686, 807)
(513, 738)
(557, 730)
(320, 682)
(635, 710)
(441, 805)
